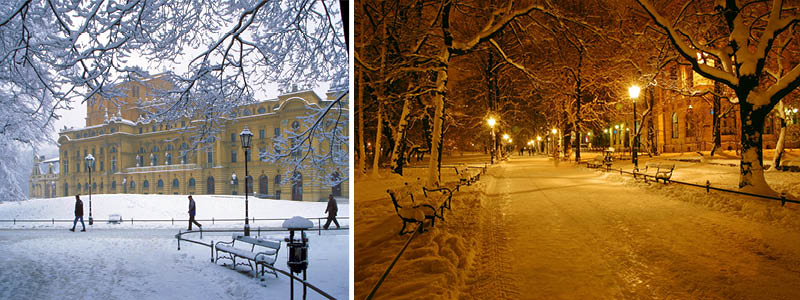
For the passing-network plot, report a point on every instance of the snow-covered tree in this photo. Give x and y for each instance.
(744, 52)
(56, 53)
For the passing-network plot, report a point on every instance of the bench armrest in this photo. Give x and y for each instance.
(225, 243)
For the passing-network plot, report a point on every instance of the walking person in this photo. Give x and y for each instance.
(192, 211)
(78, 213)
(331, 211)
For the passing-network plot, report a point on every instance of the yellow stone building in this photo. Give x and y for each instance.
(132, 156)
(44, 178)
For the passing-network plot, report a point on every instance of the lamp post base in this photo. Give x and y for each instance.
(91, 221)
(247, 229)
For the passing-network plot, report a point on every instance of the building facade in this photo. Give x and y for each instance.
(132, 156)
(44, 178)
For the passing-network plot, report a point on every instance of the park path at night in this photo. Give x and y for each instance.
(552, 232)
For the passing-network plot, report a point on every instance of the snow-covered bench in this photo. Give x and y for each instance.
(467, 175)
(266, 255)
(596, 162)
(658, 171)
(410, 211)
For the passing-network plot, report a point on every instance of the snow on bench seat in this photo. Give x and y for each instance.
(265, 256)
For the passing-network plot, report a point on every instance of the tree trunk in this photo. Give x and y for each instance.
(362, 154)
(376, 148)
(438, 119)
(651, 131)
(776, 160)
(716, 119)
(751, 167)
(399, 150)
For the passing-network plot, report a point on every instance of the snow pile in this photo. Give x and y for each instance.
(144, 264)
(436, 263)
(752, 208)
(162, 207)
(297, 222)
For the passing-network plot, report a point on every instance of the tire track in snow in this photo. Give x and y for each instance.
(488, 273)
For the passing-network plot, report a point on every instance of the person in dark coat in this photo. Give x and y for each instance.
(192, 211)
(331, 211)
(78, 213)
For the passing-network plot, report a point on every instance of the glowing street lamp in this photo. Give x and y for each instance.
(491, 121)
(634, 93)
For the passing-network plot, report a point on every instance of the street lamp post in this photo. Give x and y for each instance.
(491, 122)
(246, 135)
(634, 93)
(90, 165)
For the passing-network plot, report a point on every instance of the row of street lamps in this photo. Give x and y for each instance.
(633, 92)
(245, 135)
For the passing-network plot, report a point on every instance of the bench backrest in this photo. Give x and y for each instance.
(668, 166)
(258, 242)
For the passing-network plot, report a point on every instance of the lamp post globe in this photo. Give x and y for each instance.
(246, 135)
(90, 166)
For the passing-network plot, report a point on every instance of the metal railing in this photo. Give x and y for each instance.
(391, 265)
(707, 186)
(171, 221)
(180, 238)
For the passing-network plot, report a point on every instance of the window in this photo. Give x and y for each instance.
(261, 110)
(153, 159)
(113, 150)
(113, 164)
(261, 134)
(114, 185)
(169, 147)
(295, 125)
(210, 157)
(140, 130)
(101, 166)
(277, 180)
(133, 185)
(168, 159)
(175, 183)
(183, 123)
(233, 156)
(79, 187)
(155, 128)
(66, 167)
(145, 184)
(191, 182)
(102, 152)
(674, 125)
(277, 131)
(233, 138)
(160, 183)
(247, 112)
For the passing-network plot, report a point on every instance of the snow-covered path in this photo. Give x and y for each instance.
(569, 233)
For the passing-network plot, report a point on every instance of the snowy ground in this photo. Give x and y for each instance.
(45, 261)
(533, 230)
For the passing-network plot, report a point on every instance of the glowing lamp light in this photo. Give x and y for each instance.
(491, 122)
(538, 138)
(505, 136)
(554, 131)
(634, 92)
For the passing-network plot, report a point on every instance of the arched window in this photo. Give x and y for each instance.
(113, 149)
(146, 184)
(155, 148)
(336, 190)
(160, 183)
(297, 187)
(674, 125)
(133, 185)
(169, 147)
(175, 183)
(191, 182)
(262, 110)
(246, 112)
(168, 157)
(153, 159)
(295, 125)
(263, 187)
(210, 185)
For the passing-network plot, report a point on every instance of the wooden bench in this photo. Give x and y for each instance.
(266, 255)
(447, 197)
(596, 162)
(658, 171)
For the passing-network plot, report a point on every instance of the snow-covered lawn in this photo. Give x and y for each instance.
(162, 207)
(533, 230)
(141, 261)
